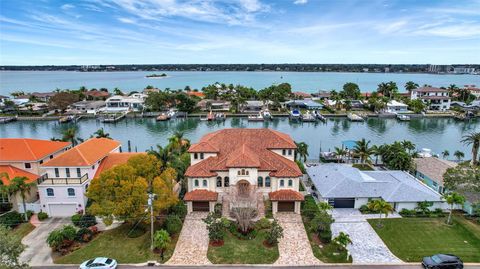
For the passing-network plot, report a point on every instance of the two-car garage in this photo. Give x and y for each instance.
(342, 202)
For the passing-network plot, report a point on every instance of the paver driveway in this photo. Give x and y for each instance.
(367, 247)
(37, 251)
(294, 247)
(192, 245)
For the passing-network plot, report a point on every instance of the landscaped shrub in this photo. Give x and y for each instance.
(217, 210)
(179, 209)
(275, 233)
(321, 222)
(173, 224)
(216, 227)
(5, 207)
(161, 239)
(406, 212)
(439, 212)
(11, 219)
(268, 209)
(42, 216)
(364, 209)
(309, 207)
(76, 219)
(29, 214)
(325, 236)
(263, 223)
(83, 221)
(62, 238)
(84, 235)
(250, 234)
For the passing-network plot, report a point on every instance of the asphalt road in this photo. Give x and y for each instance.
(340, 266)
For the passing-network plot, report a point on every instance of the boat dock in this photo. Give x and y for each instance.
(112, 118)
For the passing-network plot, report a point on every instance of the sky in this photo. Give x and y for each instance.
(88, 32)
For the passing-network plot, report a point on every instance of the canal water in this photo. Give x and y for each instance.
(438, 134)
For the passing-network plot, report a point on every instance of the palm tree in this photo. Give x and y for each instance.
(339, 152)
(100, 133)
(19, 184)
(162, 154)
(382, 207)
(459, 155)
(362, 150)
(376, 152)
(409, 86)
(70, 135)
(343, 240)
(452, 199)
(117, 91)
(302, 150)
(445, 154)
(474, 140)
(408, 145)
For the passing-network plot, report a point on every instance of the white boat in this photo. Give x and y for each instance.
(66, 119)
(257, 117)
(354, 117)
(294, 114)
(266, 114)
(220, 116)
(402, 117)
(319, 116)
(171, 113)
(308, 117)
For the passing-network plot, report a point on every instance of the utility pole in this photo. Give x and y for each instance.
(151, 197)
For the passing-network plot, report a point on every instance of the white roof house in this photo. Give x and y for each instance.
(119, 103)
(396, 107)
(346, 187)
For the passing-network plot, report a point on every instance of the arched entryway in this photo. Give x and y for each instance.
(243, 188)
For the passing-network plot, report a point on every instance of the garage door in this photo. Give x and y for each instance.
(344, 202)
(201, 206)
(62, 210)
(286, 206)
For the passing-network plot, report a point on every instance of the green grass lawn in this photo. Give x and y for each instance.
(116, 244)
(236, 251)
(23, 229)
(410, 239)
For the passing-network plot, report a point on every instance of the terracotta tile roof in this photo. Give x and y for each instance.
(97, 93)
(25, 149)
(432, 167)
(302, 94)
(430, 89)
(285, 195)
(114, 159)
(197, 94)
(85, 154)
(201, 195)
(13, 172)
(244, 148)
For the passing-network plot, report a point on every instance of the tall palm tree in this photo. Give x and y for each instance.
(474, 140)
(100, 133)
(408, 145)
(382, 207)
(376, 152)
(70, 135)
(445, 154)
(459, 155)
(339, 152)
(19, 184)
(362, 150)
(409, 86)
(302, 150)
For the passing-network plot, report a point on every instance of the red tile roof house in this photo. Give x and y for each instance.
(62, 190)
(238, 167)
(22, 157)
(435, 98)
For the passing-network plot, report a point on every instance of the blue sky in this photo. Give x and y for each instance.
(35, 32)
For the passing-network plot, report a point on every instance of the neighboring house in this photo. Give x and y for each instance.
(473, 90)
(430, 171)
(113, 159)
(255, 105)
(473, 106)
(31, 198)
(301, 95)
(97, 95)
(196, 94)
(305, 103)
(243, 167)
(43, 96)
(396, 107)
(118, 103)
(213, 105)
(321, 95)
(89, 107)
(62, 190)
(472, 201)
(23, 157)
(3, 99)
(434, 98)
(343, 186)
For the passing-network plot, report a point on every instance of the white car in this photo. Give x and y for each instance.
(99, 263)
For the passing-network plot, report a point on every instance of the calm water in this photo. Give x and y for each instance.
(436, 134)
(30, 81)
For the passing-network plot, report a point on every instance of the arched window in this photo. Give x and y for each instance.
(50, 192)
(267, 181)
(196, 182)
(71, 191)
(243, 172)
(282, 182)
(246, 172)
(284, 152)
(239, 173)
(201, 155)
(195, 156)
(290, 183)
(205, 184)
(226, 181)
(219, 182)
(260, 182)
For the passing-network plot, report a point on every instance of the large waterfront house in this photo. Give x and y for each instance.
(23, 157)
(243, 168)
(434, 98)
(119, 103)
(88, 107)
(62, 190)
(344, 186)
(430, 171)
(304, 103)
(214, 105)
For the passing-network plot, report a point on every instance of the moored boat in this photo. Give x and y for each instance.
(402, 117)
(66, 119)
(319, 116)
(163, 117)
(294, 114)
(266, 114)
(354, 117)
(308, 117)
(257, 117)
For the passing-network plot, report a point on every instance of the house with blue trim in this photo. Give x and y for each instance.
(430, 170)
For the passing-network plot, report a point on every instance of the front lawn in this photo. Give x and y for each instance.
(23, 229)
(410, 239)
(116, 244)
(237, 251)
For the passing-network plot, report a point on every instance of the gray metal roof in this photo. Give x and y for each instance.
(344, 181)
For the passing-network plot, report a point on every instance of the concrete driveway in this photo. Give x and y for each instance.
(37, 251)
(366, 247)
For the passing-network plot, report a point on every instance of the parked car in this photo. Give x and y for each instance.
(439, 261)
(99, 263)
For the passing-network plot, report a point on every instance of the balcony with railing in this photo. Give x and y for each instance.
(45, 180)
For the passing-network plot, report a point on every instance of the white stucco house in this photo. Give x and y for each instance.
(119, 103)
(243, 167)
(343, 186)
(394, 106)
(434, 98)
(62, 189)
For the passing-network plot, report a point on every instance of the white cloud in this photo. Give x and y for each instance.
(127, 20)
(300, 2)
(67, 6)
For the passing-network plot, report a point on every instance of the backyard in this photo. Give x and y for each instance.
(238, 251)
(411, 239)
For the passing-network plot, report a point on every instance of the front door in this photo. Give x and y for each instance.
(243, 188)
(201, 206)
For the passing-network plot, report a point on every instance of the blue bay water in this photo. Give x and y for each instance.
(30, 81)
